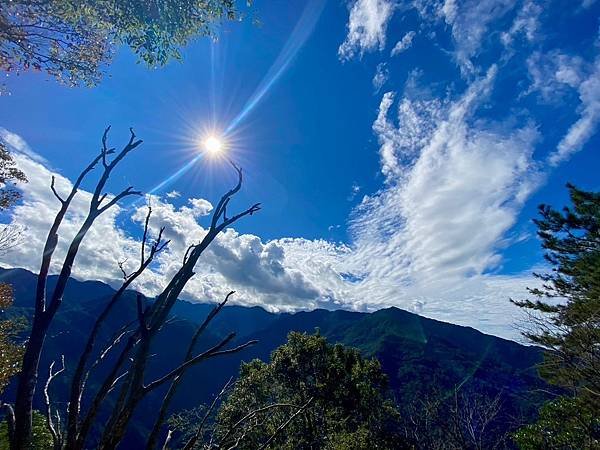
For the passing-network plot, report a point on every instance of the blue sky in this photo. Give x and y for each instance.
(399, 150)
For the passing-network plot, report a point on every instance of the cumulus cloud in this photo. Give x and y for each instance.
(403, 44)
(234, 261)
(367, 27)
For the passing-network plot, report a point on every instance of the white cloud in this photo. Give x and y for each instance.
(367, 27)
(382, 74)
(403, 44)
(553, 75)
(454, 189)
(589, 117)
(173, 194)
(526, 22)
(234, 261)
(399, 145)
(354, 191)
(18, 143)
(470, 21)
(428, 242)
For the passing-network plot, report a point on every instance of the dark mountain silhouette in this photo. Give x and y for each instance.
(420, 355)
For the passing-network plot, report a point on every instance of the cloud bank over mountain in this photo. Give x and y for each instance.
(459, 158)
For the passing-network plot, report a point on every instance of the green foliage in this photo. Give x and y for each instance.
(73, 40)
(567, 304)
(10, 174)
(11, 350)
(567, 319)
(565, 423)
(349, 407)
(42, 439)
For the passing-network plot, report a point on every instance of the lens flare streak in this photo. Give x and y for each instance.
(302, 31)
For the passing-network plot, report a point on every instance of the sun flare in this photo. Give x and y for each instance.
(213, 145)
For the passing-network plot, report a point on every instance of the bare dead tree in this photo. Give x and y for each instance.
(129, 368)
(462, 419)
(162, 413)
(11, 236)
(151, 320)
(78, 380)
(45, 308)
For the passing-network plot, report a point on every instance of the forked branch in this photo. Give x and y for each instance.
(55, 429)
(210, 353)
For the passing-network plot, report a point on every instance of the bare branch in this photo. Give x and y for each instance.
(141, 315)
(54, 431)
(10, 420)
(192, 441)
(254, 413)
(112, 343)
(121, 265)
(187, 252)
(162, 413)
(254, 208)
(167, 440)
(210, 353)
(285, 424)
(225, 199)
(206, 322)
(52, 187)
(116, 381)
(126, 192)
(145, 235)
(105, 150)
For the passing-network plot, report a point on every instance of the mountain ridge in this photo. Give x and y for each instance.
(421, 356)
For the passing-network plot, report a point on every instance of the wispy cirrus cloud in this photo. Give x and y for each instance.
(526, 23)
(553, 75)
(470, 21)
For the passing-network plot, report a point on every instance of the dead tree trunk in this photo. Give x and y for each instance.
(130, 366)
(77, 383)
(45, 309)
(154, 317)
(162, 413)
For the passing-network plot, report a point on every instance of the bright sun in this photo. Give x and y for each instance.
(213, 145)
